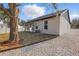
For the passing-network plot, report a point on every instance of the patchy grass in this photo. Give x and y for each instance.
(31, 37)
(28, 38)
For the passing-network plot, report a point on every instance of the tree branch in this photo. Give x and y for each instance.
(5, 10)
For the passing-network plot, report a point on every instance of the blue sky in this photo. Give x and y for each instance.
(47, 7)
(33, 10)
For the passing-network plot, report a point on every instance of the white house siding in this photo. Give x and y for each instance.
(3, 28)
(53, 26)
(64, 23)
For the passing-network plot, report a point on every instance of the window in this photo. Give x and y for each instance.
(36, 27)
(45, 27)
(45, 24)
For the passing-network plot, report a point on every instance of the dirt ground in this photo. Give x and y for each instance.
(65, 45)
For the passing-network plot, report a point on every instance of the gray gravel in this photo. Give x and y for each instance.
(65, 45)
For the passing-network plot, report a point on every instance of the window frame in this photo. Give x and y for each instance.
(46, 24)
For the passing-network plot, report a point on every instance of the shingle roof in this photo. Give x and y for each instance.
(46, 16)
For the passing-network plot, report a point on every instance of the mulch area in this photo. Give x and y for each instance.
(9, 47)
(27, 38)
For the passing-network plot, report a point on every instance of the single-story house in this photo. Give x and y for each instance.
(56, 23)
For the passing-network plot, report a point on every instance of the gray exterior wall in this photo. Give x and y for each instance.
(64, 23)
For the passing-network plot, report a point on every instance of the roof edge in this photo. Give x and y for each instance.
(46, 16)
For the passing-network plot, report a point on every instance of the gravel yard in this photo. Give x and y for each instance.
(65, 45)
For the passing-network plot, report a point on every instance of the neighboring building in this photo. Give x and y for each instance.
(51, 23)
(21, 28)
(3, 27)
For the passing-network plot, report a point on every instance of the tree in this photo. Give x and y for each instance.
(12, 11)
(75, 23)
(55, 6)
(3, 15)
(22, 23)
(5, 18)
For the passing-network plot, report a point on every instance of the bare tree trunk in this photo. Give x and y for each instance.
(14, 36)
